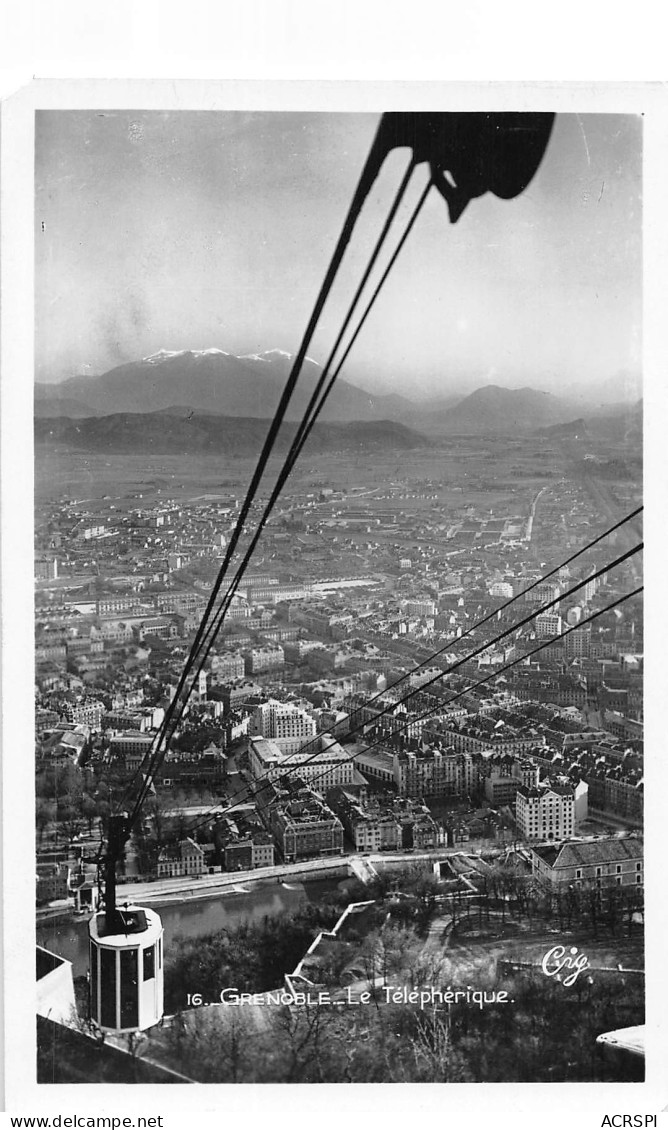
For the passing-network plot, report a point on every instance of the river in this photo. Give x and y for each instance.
(192, 919)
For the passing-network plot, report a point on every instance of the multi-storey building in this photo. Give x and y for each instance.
(129, 750)
(288, 725)
(268, 658)
(433, 773)
(141, 719)
(590, 589)
(377, 765)
(504, 777)
(296, 650)
(548, 624)
(321, 762)
(424, 675)
(602, 864)
(161, 626)
(615, 794)
(186, 858)
(543, 593)
(108, 605)
(51, 652)
(274, 594)
(181, 601)
(87, 713)
(190, 769)
(362, 827)
(323, 658)
(462, 738)
(322, 620)
(122, 720)
(51, 882)
(303, 826)
(384, 823)
(577, 643)
(238, 610)
(418, 607)
(262, 854)
(384, 716)
(548, 813)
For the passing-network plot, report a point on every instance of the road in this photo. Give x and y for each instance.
(603, 496)
(171, 890)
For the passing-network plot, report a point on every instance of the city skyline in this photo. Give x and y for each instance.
(176, 205)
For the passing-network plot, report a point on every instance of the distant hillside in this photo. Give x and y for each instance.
(578, 429)
(624, 425)
(185, 431)
(503, 410)
(62, 406)
(216, 382)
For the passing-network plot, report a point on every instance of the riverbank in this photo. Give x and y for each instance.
(217, 902)
(190, 918)
(163, 890)
(172, 892)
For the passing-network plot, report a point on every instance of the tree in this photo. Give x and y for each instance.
(45, 814)
(426, 889)
(88, 810)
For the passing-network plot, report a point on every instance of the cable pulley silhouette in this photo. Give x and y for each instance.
(468, 154)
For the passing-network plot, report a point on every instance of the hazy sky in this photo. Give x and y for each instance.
(187, 230)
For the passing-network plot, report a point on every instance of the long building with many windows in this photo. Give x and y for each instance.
(303, 826)
(602, 863)
(322, 762)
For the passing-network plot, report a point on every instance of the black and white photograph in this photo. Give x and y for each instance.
(338, 597)
(337, 640)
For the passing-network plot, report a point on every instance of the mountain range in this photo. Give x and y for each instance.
(179, 431)
(214, 382)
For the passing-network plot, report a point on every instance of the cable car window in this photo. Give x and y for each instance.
(93, 981)
(129, 993)
(108, 988)
(149, 963)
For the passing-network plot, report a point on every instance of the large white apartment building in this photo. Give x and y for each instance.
(418, 606)
(548, 624)
(288, 725)
(549, 813)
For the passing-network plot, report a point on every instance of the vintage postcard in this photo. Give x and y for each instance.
(323, 599)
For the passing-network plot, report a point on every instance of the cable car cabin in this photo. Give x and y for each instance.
(126, 969)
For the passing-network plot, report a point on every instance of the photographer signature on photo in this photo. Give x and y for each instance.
(565, 966)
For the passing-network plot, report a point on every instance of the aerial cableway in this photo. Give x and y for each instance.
(467, 155)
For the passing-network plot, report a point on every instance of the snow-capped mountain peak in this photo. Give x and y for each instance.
(163, 355)
(168, 354)
(270, 354)
(266, 357)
